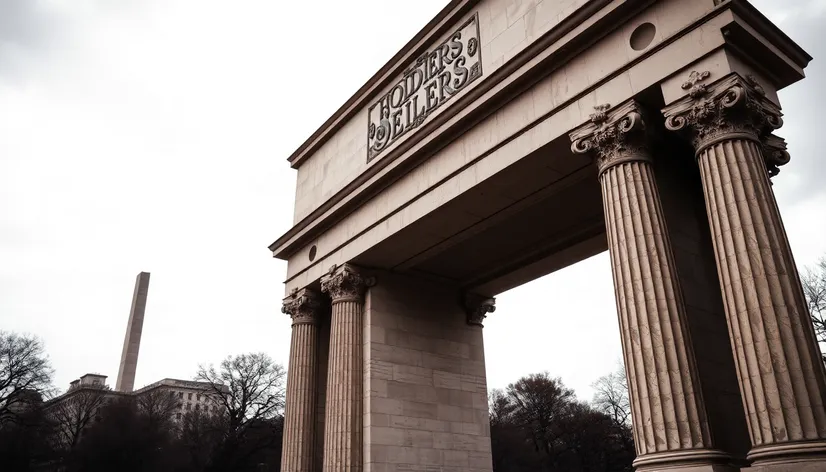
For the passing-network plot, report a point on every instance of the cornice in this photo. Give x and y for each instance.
(533, 65)
(768, 30)
(438, 26)
(293, 239)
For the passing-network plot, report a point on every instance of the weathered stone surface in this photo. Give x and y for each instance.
(681, 194)
(781, 374)
(298, 454)
(343, 410)
(670, 423)
(425, 389)
(483, 196)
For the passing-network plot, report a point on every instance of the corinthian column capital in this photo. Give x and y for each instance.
(478, 307)
(616, 135)
(731, 107)
(345, 283)
(775, 153)
(303, 306)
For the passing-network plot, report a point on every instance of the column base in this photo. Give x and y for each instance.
(697, 468)
(798, 456)
(801, 466)
(692, 460)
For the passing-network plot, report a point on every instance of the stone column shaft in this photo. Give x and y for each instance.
(653, 315)
(669, 417)
(299, 418)
(344, 407)
(780, 371)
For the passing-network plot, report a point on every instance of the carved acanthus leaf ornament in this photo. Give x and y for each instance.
(775, 153)
(731, 107)
(303, 306)
(344, 283)
(615, 135)
(478, 307)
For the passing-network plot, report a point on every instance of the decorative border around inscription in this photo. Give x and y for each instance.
(424, 87)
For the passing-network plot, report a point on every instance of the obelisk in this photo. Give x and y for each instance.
(132, 340)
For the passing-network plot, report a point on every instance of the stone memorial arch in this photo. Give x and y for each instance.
(509, 139)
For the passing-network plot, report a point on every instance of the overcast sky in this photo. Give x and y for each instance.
(152, 135)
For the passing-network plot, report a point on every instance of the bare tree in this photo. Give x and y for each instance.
(25, 373)
(158, 407)
(510, 448)
(540, 405)
(201, 435)
(500, 407)
(74, 412)
(814, 287)
(611, 396)
(538, 424)
(250, 387)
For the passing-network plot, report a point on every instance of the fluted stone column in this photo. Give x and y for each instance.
(669, 416)
(780, 371)
(343, 417)
(299, 418)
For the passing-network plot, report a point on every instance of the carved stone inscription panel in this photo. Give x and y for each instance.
(429, 83)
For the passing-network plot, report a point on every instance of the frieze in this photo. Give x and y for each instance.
(429, 83)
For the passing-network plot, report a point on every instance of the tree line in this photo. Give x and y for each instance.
(91, 428)
(536, 423)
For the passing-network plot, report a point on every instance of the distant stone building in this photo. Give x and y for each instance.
(88, 380)
(81, 405)
(190, 395)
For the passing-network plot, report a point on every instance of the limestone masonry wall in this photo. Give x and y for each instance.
(505, 28)
(424, 381)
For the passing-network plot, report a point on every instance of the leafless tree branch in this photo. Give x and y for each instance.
(250, 387)
(24, 371)
(611, 396)
(75, 412)
(158, 406)
(814, 287)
